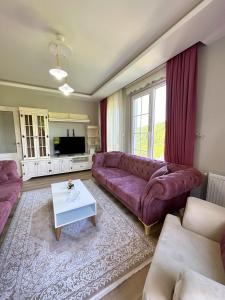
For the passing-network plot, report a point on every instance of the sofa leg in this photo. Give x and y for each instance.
(147, 229)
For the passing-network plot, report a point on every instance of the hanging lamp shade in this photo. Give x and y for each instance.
(58, 73)
(66, 89)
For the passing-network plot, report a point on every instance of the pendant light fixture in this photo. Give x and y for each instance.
(60, 50)
(58, 72)
(66, 89)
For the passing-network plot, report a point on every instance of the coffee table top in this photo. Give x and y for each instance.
(61, 196)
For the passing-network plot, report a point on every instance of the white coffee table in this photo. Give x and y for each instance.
(67, 209)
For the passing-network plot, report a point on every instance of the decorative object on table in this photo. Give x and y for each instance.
(68, 132)
(70, 184)
(73, 132)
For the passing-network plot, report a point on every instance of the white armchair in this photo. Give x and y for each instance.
(189, 250)
(204, 218)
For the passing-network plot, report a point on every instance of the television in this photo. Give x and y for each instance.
(69, 145)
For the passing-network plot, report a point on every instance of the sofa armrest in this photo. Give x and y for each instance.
(8, 171)
(98, 159)
(167, 192)
(174, 184)
(204, 218)
(194, 286)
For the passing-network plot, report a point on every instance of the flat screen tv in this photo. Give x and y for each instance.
(69, 145)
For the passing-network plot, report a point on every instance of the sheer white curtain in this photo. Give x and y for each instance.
(115, 122)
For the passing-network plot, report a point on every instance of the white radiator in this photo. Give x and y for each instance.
(216, 189)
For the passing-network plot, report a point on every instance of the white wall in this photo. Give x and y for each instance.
(16, 97)
(10, 96)
(210, 146)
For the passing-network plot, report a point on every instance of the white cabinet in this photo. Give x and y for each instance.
(43, 167)
(34, 132)
(66, 165)
(29, 169)
(55, 166)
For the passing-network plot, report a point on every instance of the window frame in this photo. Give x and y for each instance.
(151, 91)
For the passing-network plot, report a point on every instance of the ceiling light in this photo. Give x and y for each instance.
(58, 73)
(66, 89)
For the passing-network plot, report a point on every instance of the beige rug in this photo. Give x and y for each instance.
(87, 262)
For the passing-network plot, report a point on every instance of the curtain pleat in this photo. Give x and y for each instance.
(181, 82)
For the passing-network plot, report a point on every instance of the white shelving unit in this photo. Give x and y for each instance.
(34, 133)
(34, 126)
(93, 140)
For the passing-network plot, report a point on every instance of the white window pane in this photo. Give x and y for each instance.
(138, 152)
(137, 124)
(137, 107)
(144, 142)
(144, 123)
(144, 153)
(140, 126)
(136, 141)
(159, 122)
(145, 104)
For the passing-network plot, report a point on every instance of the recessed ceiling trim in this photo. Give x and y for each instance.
(190, 29)
(39, 88)
(187, 18)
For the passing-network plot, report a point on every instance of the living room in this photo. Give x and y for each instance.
(112, 172)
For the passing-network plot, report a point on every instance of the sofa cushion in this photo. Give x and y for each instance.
(160, 172)
(140, 166)
(5, 209)
(102, 174)
(177, 250)
(222, 248)
(9, 168)
(10, 187)
(112, 159)
(194, 286)
(128, 189)
(3, 178)
(10, 197)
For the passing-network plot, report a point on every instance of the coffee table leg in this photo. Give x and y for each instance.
(57, 233)
(93, 220)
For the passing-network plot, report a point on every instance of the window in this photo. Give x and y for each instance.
(148, 122)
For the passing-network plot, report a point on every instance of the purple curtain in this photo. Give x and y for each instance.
(103, 122)
(181, 81)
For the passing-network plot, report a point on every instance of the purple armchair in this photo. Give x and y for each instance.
(10, 188)
(149, 188)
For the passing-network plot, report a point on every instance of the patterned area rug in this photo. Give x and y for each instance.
(86, 263)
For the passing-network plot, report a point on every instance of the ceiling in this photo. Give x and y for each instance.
(113, 42)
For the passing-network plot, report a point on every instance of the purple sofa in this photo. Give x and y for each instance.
(10, 188)
(148, 188)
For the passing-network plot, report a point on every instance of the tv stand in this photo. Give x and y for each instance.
(55, 165)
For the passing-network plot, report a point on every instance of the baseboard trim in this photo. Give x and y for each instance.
(114, 285)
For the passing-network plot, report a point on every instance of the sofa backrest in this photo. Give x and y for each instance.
(140, 166)
(8, 170)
